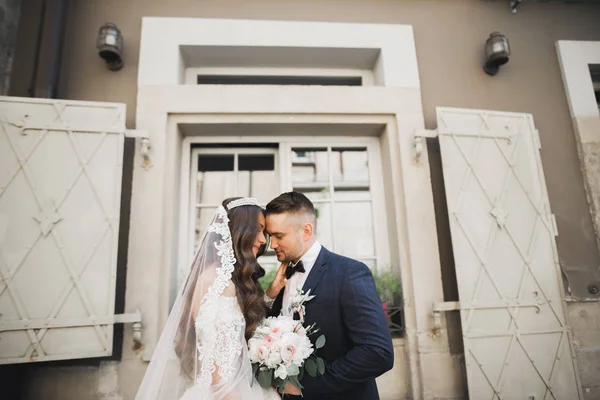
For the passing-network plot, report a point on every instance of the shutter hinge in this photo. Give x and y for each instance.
(136, 320)
(438, 309)
(145, 145)
(419, 140)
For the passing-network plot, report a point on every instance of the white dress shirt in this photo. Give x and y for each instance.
(297, 280)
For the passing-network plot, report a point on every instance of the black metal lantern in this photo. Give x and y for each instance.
(110, 46)
(497, 53)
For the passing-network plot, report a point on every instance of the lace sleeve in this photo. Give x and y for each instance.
(220, 332)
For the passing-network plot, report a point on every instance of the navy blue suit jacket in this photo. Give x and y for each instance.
(348, 312)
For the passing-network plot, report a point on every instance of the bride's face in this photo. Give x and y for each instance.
(259, 239)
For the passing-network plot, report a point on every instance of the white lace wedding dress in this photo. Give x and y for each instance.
(228, 353)
(202, 353)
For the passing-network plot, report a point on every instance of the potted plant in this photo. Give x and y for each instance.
(390, 293)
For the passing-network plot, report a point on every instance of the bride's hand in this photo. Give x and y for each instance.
(278, 283)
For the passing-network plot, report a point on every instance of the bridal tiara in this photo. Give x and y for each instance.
(245, 201)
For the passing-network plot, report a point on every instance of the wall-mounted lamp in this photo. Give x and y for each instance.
(497, 52)
(110, 46)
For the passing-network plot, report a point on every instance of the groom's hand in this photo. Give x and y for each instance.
(278, 283)
(291, 389)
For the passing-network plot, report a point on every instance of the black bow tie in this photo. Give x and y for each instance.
(291, 270)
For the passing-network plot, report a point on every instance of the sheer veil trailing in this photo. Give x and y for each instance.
(202, 352)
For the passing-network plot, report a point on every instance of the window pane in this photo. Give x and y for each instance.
(353, 194)
(260, 184)
(257, 177)
(323, 209)
(350, 165)
(214, 187)
(310, 168)
(324, 228)
(315, 195)
(215, 162)
(354, 235)
(256, 162)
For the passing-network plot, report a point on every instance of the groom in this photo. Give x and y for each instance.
(346, 308)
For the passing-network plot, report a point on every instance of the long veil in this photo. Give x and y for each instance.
(202, 352)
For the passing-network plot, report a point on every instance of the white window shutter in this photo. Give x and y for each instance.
(516, 338)
(60, 193)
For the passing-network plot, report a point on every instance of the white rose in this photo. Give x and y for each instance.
(281, 372)
(301, 331)
(274, 359)
(262, 331)
(253, 345)
(283, 324)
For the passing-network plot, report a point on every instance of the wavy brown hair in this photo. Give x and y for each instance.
(243, 225)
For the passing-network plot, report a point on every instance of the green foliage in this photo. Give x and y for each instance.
(265, 378)
(388, 287)
(320, 342)
(311, 367)
(266, 280)
(321, 365)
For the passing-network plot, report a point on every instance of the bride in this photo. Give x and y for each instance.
(202, 352)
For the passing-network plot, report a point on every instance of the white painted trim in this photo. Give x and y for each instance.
(162, 61)
(233, 150)
(574, 58)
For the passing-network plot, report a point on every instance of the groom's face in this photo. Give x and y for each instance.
(287, 236)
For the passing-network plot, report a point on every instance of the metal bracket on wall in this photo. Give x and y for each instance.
(136, 320)
(439, 308)
(514, 4)
(146, 146)
(419, 141)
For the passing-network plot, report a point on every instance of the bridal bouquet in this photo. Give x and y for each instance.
(281, 351)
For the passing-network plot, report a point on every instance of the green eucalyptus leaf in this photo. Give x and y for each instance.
(311, 367)
(320, 342)
(265, 378)
(320, 365)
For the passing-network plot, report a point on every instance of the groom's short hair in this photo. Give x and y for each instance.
(293, 203)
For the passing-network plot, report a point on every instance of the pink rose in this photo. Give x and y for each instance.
(288, 352)
(263, 353)
(268, 341)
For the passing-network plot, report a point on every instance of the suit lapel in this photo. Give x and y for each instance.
(317, 271)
